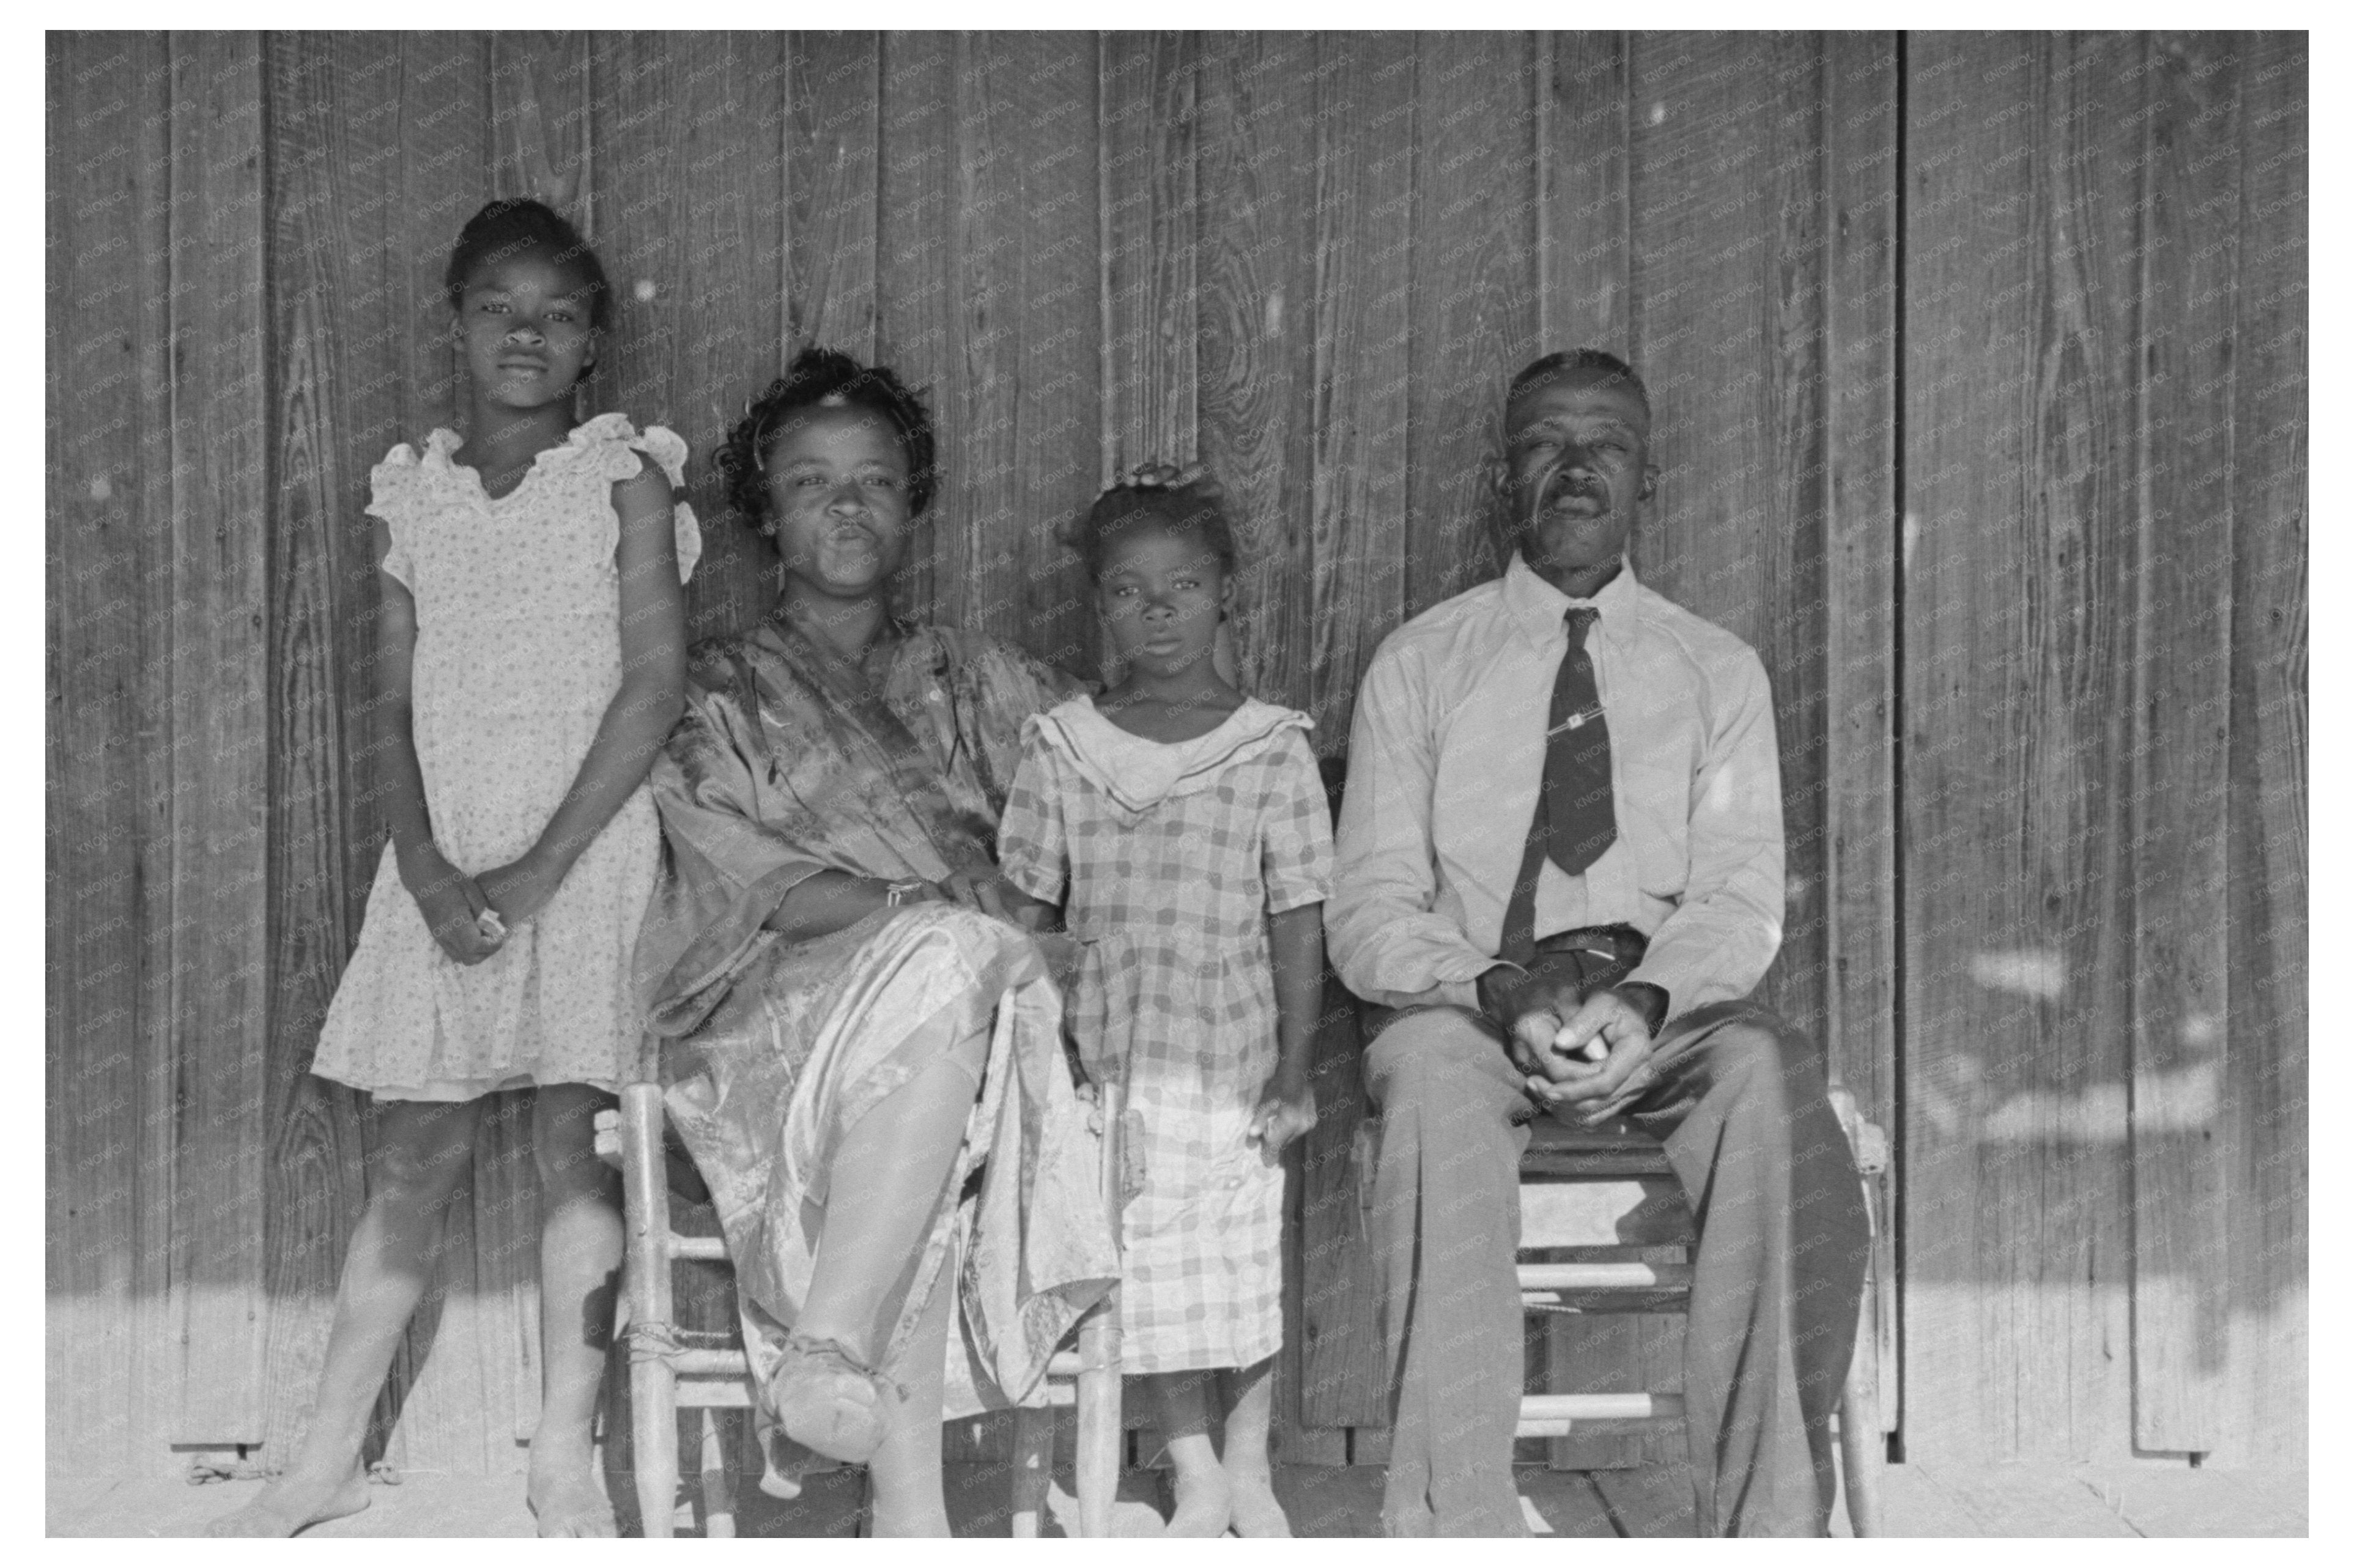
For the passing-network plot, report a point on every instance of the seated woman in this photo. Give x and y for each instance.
(862, 1053)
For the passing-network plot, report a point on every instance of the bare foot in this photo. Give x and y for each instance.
(568, 1503)
(1257, 1514)
(293, 1503)
(1203, 1502)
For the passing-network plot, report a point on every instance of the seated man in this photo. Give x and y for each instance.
(1562, 840)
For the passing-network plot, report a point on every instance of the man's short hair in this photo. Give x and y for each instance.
(1580, 361)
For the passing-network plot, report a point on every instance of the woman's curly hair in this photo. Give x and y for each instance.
(1191, 506)
(830, 378)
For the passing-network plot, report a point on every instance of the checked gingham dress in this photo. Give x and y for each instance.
(1168, 860)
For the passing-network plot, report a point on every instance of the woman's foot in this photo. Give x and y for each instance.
(293, 1503)
(567, 1502)
(828, 1400)
(1205, 1500)
(1257, 1514)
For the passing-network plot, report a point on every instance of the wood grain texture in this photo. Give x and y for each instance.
(1364, 204)
(1473, 308)
(217, 723)
(112, 1378)
(833, 87)
(541, 102)
(376, 159)
(919, 279)
(691, 145)
(2264, 1413)
(1151, 216)
(1256, 275)
(1364, 197)
(1582, 237)
(1861, 532)
(1729, 237)
(2019, 285)
(1028, 206)
(2177, 811)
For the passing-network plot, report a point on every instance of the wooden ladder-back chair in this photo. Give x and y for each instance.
(1593, 1202)
(672, 1369)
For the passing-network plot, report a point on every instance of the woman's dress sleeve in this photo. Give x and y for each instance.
(725, 871)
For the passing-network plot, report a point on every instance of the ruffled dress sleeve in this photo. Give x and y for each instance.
(617, 460)
(392, 489)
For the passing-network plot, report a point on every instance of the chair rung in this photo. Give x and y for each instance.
(715, 1393)
(1064, 1363)
(1596, 1427)
(699, 1249)
(1663, 1302)
(709, 1363)
(1600, 1407)
(1605, 1275)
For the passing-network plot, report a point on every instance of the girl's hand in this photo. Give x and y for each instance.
(520, 888)
(452, 904)
(1286, 1111)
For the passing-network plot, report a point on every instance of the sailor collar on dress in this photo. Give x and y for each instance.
(1539, 608)
(1140, 773)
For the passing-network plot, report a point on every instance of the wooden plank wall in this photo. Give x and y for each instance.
(158, 551)
(1311, 261)
(2103, 759)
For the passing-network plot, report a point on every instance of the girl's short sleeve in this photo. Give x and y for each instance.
(1032, 849)
(392, 495)
(1296, 831)
(618, 460)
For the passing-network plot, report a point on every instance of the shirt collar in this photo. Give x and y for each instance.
(1539, 608)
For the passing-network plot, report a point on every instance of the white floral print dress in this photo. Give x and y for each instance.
(518, 655)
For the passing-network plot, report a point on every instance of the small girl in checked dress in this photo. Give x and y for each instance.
(1182, 828)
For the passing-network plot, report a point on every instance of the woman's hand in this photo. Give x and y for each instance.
(452, 904)
(1287, 1109)
(520, 888)
(984, 887)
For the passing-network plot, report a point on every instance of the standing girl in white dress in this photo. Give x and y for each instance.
(1182, 828)
(531, 656)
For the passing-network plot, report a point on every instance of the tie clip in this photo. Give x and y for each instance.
(1572, 721)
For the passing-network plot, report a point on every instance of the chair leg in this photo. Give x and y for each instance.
(1100, 1435)
(653, 1385)
(653, 1444)
(1860, 1460)
(1034, 1467)
(718, 1484)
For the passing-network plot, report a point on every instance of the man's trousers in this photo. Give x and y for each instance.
(1784, 1239)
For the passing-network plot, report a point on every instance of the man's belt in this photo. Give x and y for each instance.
(1596, 955)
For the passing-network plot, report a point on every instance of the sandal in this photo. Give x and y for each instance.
(829, 1401)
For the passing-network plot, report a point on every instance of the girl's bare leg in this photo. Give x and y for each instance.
(1250, 1406)
(426, 1151)
(580, 1259)
(904, 1477)
(1204, 1497)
